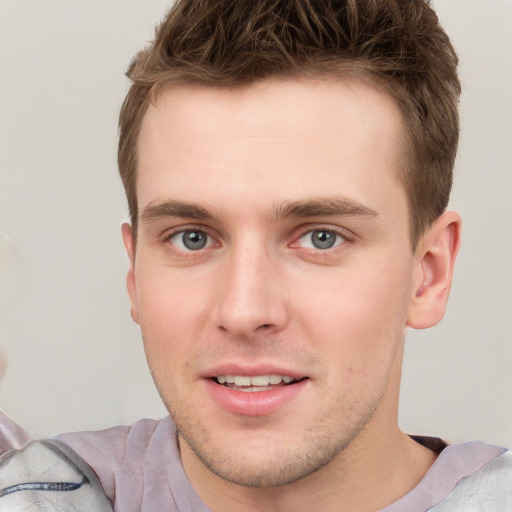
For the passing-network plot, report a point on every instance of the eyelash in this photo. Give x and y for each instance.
(182, 232)
(340, 239)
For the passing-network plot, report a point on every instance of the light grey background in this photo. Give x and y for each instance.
(73, 357)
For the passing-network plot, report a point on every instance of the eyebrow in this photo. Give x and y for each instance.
(174, 208)
(323, 206)
(316, 207)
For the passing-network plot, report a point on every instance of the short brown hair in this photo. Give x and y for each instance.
(397, 44)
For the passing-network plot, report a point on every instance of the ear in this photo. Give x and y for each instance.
(131, 285)
(434, 260)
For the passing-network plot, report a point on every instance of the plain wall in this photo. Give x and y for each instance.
(73, 357)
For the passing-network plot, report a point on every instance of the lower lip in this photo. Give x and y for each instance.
(254, 403)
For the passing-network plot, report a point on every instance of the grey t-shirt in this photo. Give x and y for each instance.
(139, 469)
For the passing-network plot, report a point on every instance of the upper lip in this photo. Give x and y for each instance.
(250, 370)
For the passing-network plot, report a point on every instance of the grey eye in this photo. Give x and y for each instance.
(191, 240)
(321, 239)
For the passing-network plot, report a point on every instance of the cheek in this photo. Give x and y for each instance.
(171, 315)
(361, 309)
(170, 301)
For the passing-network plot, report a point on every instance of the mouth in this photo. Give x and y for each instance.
(260, 390)
(255, 383)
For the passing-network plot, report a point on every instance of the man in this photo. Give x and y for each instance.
(287, 167)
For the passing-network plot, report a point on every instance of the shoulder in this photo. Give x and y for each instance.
(118, 454)
(116, 443)
(47, 475)
(486, 485)
(138, 465)
(467, 477)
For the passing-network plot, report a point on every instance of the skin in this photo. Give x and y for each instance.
(258, 171)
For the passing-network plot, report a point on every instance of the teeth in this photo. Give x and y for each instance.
(242, 381)
(260, 380)
(255, 380)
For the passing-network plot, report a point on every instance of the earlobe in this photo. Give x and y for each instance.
(129, 244)
(434, 261)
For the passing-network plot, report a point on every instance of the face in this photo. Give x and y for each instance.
(272, 272)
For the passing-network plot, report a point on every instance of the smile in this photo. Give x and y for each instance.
(255, 382)
(255, 395)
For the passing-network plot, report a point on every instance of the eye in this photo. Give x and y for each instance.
(191, 240)
(321, 239)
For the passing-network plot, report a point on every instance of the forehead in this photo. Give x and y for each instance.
(278, 139)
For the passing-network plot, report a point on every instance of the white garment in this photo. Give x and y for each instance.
(487, 490)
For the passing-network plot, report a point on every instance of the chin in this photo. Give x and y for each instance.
(263, 459)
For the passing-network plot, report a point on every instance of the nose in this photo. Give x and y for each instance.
(251, 298)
